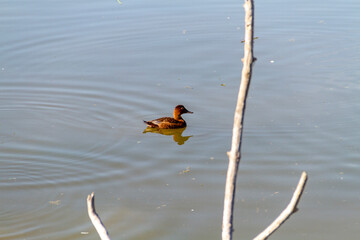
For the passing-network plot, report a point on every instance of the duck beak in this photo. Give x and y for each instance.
(187, 111)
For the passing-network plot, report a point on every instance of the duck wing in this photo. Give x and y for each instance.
(156, 122)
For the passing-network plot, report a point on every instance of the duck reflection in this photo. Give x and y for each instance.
(176, 133)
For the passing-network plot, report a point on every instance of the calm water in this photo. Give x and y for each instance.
(78, 78)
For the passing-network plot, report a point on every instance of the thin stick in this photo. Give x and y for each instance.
(234, 154)
(287, 212)
(95, 219)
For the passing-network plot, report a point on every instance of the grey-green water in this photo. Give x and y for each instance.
(78, 78)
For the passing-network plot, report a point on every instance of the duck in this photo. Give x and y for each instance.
(168, 122)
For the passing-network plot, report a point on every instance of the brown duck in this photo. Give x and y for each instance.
(168, 122)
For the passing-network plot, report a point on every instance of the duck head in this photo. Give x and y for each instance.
(180, 109)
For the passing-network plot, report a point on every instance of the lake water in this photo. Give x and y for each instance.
(78, 77)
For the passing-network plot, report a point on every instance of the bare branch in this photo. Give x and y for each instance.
(95, 219)
(287, 212)
(234, 154)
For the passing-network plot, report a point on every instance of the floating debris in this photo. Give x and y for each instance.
(164, 205)
(56, 203)
(185, 171)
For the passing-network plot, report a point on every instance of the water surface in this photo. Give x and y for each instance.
(78, 78)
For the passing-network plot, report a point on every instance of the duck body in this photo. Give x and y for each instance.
(166, 123)
(170, 122)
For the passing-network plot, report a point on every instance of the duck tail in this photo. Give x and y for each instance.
(150, 124)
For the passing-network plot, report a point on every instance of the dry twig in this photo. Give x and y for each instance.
(95, 219)
(234, 154)
(287, 212)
